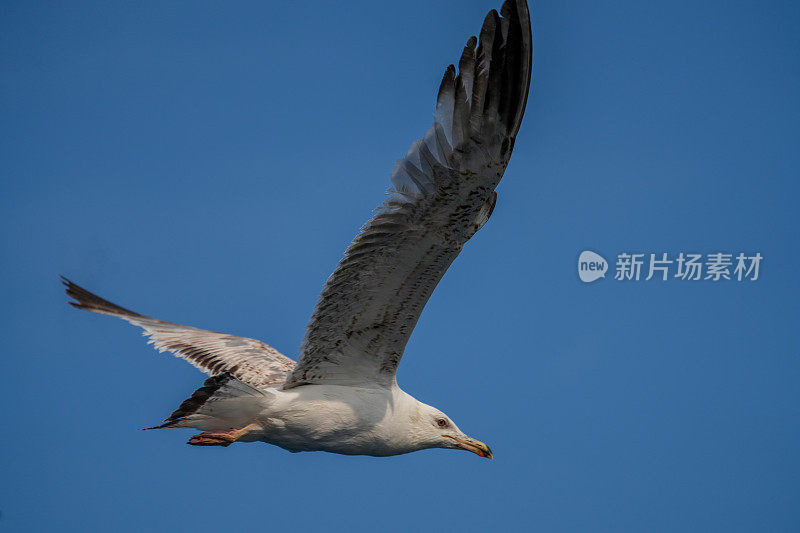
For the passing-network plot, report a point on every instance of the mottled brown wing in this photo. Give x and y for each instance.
(214, 353)
(444, 191)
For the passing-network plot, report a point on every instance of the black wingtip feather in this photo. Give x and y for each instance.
(490, 91)
(467, 62)
(494, 86)
(509, 9)
(519, 12)
(91, 302)
(448, 84)
(505, 49)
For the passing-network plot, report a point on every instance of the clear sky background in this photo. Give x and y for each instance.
(207, 163)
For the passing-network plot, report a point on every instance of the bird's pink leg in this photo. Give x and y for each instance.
(222, 438)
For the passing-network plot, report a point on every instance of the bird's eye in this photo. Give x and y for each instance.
(442, 422)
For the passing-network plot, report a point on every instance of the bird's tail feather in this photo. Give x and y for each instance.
(222, 403)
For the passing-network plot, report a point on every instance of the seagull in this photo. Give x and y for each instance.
(341, 395)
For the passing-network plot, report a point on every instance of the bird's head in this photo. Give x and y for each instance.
(437, 430)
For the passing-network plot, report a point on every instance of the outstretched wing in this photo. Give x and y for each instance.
(214, 353)
(444, 191)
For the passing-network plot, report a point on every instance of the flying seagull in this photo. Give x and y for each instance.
(341, 395)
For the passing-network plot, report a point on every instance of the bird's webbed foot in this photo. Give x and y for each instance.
(221, 438)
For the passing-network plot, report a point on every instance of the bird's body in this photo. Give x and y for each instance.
(341, 395)
(339, 419)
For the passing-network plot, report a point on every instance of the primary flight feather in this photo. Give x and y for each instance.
(342, 396)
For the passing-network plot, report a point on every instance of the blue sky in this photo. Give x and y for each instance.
(207, 163)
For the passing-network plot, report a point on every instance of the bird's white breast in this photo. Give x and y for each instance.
(340, 419)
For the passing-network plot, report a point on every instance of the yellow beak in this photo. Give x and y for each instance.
(473, 445)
